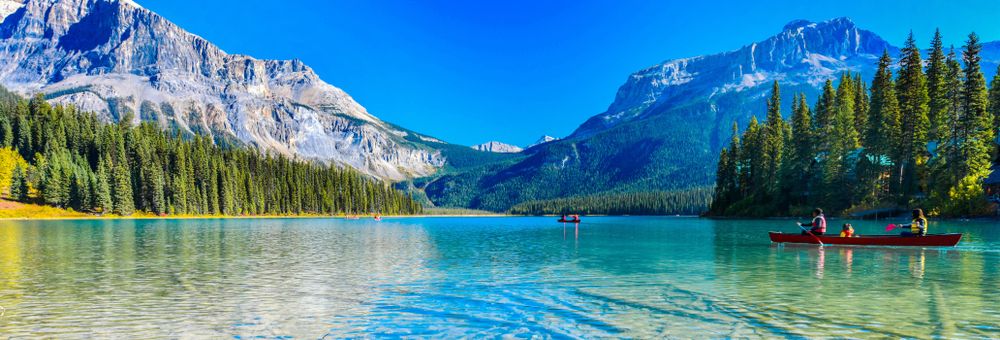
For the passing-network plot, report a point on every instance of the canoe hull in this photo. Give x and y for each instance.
(932, 240)
(569, 221)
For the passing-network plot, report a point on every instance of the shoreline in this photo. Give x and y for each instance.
(222, 217)
(226, 217)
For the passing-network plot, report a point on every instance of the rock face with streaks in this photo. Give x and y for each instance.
(494, 146)
(121, 60)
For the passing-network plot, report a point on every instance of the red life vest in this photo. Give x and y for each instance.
(819, 225)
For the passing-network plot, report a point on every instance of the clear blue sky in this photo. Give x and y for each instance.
(472, 71)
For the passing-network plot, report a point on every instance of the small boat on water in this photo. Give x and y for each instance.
(929, 240)
(570, 219)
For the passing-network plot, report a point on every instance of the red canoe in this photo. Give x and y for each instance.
(930, 240)
(569, 221)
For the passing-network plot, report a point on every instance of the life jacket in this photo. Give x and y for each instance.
(819, 223)
(847, 233)
(918, 226)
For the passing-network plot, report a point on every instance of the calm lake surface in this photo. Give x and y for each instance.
(472, 277)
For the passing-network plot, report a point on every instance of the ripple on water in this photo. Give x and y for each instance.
(470, 278)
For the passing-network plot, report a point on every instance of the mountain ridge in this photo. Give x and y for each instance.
(668, 121)
(115, 57)
(495, 146)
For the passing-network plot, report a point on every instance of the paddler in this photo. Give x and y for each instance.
(818, 223)
(917, 226)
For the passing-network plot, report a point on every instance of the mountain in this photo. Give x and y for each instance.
(667, 123)
(120, 60)
(542, 140)
(494, 146)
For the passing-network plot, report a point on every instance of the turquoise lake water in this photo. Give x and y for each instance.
(640, 277)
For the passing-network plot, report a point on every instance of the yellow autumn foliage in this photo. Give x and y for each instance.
(9, 159)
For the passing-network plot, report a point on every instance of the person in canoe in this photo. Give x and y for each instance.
(818, 224)
(847, 230)
(917, 226)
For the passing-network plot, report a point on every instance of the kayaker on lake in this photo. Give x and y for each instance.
(847, 230)
(918, 224)
(818, 223)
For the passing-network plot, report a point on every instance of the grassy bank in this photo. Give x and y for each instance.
(12, 210)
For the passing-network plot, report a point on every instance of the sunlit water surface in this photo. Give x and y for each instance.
(472, 277)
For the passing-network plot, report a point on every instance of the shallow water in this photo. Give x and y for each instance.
(472, 277)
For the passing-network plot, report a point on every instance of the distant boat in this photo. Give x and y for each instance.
(378, 217)
(570, 219)
(929, 240)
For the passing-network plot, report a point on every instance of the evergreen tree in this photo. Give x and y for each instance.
(773, 142)
(861, 104)
(883, 127)
(753, 159)
(23, 134)
(994, 100)
(722, 179)
(976, 135)
(102, 187)
(734, 183)
(945, 167)
(803, 155)
(6, 132)
(54, 185)
(19, 184)
(844, 105)
(937, 73)
(122, 194)
(823, 119)
(179, 184)
(839, 162)
(911, 88)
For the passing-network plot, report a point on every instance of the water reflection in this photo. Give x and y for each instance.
(205, 278)
(487, 277)
(847, 253)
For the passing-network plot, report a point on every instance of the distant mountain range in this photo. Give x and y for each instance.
(667, 123)
(494, 146)
(662, 132)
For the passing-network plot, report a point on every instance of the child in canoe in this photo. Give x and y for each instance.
(818, 223)
(917, 226)
(847, 230)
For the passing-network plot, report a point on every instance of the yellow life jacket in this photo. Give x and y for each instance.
(917, 224)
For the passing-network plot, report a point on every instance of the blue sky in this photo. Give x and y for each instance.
(472, 71)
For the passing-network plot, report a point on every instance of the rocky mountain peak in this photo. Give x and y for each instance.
(543, 139)
(495, 146)
(114, 57)
(804, 54)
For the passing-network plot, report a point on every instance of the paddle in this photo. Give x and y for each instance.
(811, 234)
(890, 227)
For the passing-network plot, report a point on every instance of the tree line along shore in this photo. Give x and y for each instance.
(58, 156)
(922, 137)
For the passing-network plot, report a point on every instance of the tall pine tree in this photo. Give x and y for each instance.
(937, 77)
(976, 133)
(911, 88)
